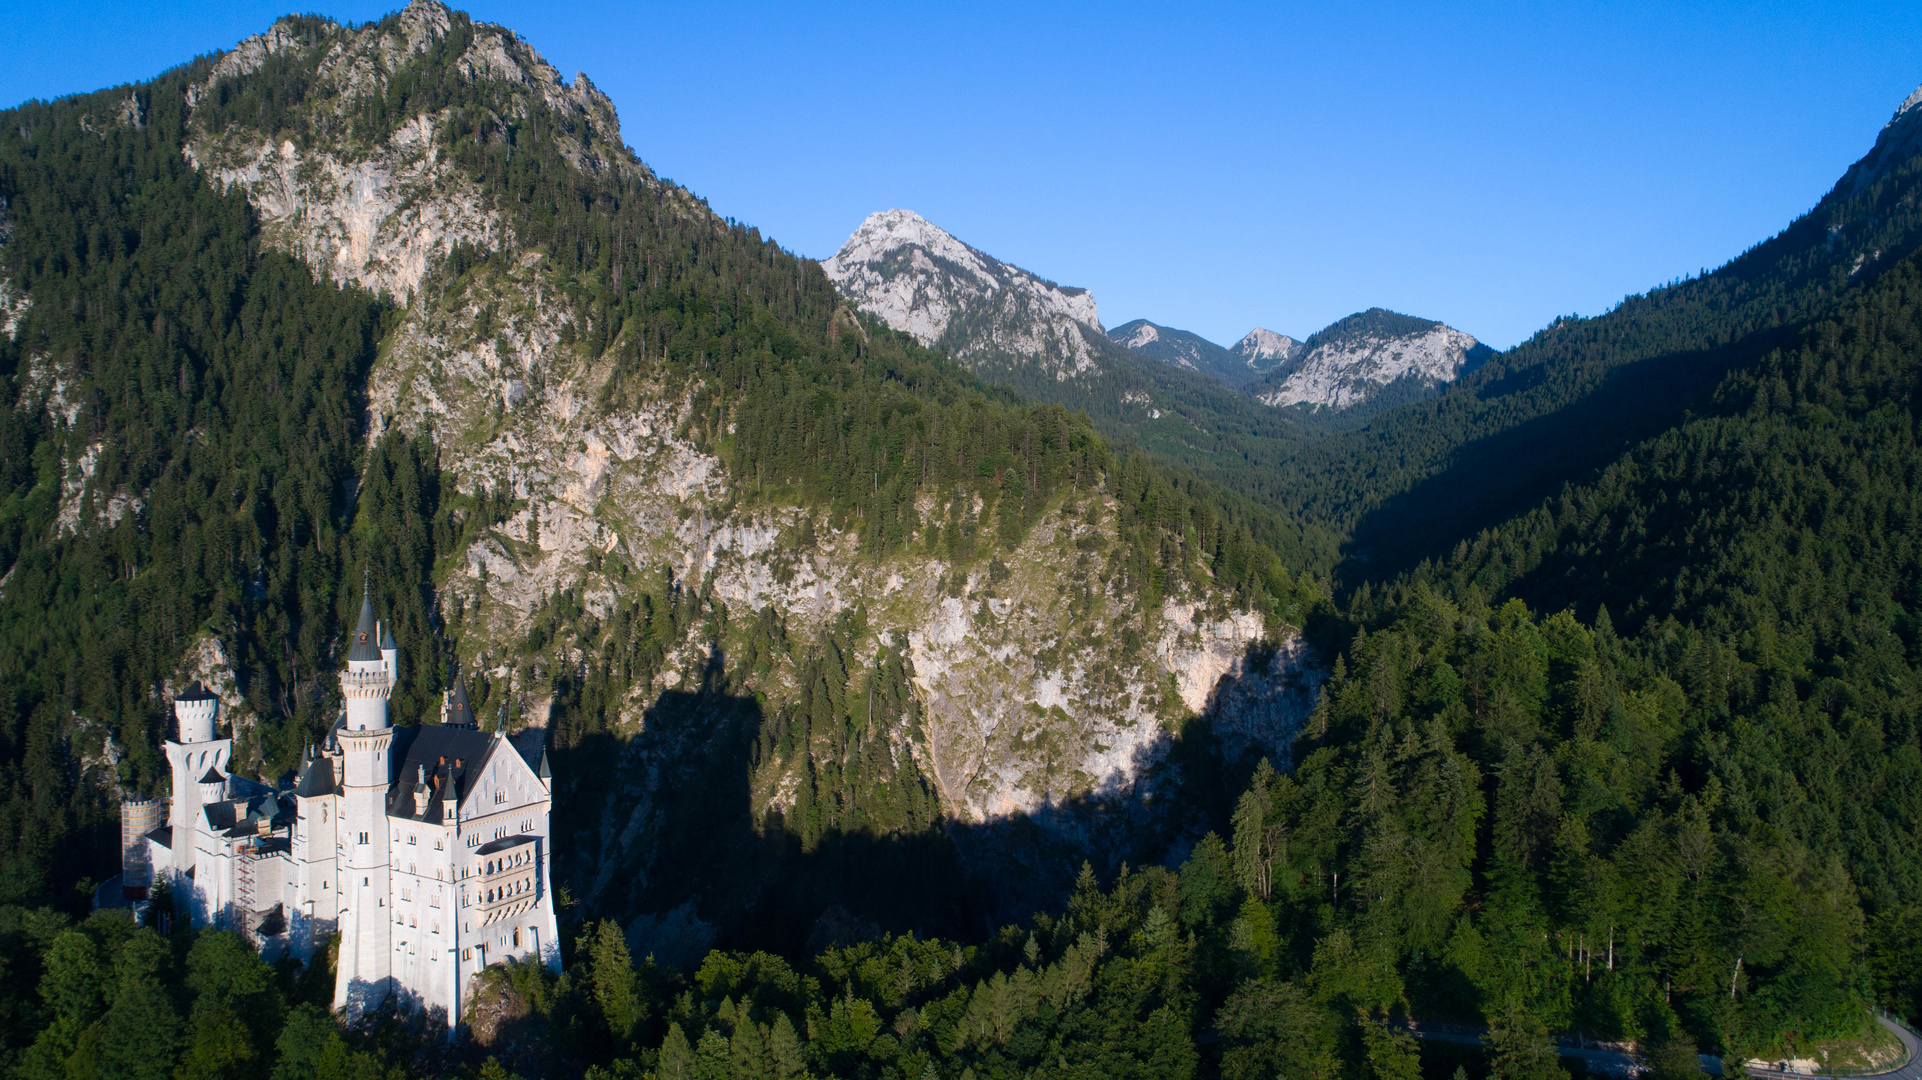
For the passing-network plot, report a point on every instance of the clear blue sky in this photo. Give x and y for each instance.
(1211, 167)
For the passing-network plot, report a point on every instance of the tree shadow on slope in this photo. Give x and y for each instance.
(1493, 479)
(659, 831)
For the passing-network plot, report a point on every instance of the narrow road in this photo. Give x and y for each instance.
(1620, 1063)
(1910, 1069)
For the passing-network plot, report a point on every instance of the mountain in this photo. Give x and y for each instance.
(1044, 342)
(904, 723)
(989, 315)
(1263, 349)
(1179, 348)
(395, 299)
(1366, 358)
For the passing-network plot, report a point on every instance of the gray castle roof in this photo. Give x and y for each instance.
(448, 756)
(194, 692)
(364, 645)
(316, 776)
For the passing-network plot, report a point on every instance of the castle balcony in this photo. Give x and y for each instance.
(509, 881)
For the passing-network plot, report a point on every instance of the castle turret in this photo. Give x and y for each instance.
(197, 751)
(389, 650)
(138, 817)
(366, 743)
(194, 712)
(369, 679)
(213, 786)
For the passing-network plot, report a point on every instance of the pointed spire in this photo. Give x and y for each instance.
(364, 644)
(460, 710)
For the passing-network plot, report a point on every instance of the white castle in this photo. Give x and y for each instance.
(426, 848)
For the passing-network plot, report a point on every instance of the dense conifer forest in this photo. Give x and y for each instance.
(1624, 743)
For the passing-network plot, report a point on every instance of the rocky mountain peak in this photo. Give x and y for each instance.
(377, 204)
(1899, 141)
(1263, 348)
(918, 278)
(1352, 361)
(1135, 335)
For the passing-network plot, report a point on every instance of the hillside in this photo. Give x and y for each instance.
(757, 564)
(923, 716)
(1570, 399)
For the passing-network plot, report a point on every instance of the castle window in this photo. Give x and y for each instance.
(323, 815)
(517, 937)
(410, 839)
(439, 844)
(363, 838)
(467, 954)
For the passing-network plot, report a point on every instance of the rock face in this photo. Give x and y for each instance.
(1899, 141)
(915, 277)
(1027, 695)
(378, 214)
(1179, 348)
(1355, 360)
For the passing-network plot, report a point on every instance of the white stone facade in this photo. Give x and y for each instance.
(426, 849)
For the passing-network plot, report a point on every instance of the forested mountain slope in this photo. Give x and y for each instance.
(1571, 398)
(1704, 766)
(396, 298)
(819, 622)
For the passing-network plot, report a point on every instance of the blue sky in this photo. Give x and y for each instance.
(1211, 167)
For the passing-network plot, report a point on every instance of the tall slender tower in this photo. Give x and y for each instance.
(366, 742)
(195, 753)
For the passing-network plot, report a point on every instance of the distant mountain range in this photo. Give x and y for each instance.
(1002, 320)
(1252, 357)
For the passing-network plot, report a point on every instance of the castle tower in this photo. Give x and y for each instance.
(190, 757)
(138, 817)
(366, 743)
(314, 909)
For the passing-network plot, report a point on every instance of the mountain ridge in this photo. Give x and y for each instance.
(1192, 352)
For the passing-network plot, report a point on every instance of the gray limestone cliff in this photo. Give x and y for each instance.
(1028, 694)
(915, 277)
